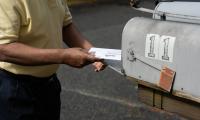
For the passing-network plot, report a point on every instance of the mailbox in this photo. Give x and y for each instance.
(178, 11)
(163, 54)
(149, 45)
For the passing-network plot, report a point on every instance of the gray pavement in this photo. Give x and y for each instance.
(87, 95)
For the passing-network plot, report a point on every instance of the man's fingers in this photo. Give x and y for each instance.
(91, 56)
(93, 59)
(92, 53)
(84, 50)
(99, 66)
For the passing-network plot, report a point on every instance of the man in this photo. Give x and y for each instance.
(31, 34)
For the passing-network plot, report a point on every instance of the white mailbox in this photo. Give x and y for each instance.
(170, 39)
(163, 54)
(178, 11)
(148, 45)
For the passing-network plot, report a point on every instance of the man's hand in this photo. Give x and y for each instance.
(73, 38)
(99, 66)
(78, 57)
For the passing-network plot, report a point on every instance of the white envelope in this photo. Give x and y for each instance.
(107, 54)
(112, 57)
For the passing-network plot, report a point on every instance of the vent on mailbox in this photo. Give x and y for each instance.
(165, 51)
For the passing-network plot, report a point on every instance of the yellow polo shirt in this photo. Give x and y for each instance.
(37, 23)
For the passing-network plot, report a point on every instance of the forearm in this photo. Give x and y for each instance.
(25, 55)
(73, 38)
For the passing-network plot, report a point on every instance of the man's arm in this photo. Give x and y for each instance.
(19, 53)
(73, 38)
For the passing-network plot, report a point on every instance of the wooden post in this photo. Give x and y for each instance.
(168, 102)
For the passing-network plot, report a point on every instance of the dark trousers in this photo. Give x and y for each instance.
(29, 98)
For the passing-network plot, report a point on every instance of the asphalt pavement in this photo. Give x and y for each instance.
(87, 95)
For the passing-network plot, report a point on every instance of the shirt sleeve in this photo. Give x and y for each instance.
(68, 16)
(9, 22)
